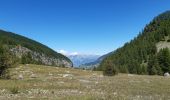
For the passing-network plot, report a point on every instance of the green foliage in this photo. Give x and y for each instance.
(110, 70)
(6, 61)
(164, 59)
(27, 58)
(14, 90)
(13, 40)
(153, 66)
(139, 50)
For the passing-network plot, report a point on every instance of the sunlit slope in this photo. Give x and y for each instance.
(43, 82)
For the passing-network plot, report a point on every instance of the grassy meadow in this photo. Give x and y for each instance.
(36, 82)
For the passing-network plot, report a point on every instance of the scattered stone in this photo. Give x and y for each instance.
(130, 75)
(94, 74)
(96, 82)
(101, 76)
(67, 71)
(67, 75)
(166, 74)
(20, 77)
(115, 93)
(85, 81)
(61, 82)
(50, 74)
(33, 76)
(17, 68)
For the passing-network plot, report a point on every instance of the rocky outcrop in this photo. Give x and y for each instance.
(19, 51)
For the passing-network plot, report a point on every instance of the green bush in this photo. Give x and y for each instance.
(110, 70)
(7, 60)
(168, 40)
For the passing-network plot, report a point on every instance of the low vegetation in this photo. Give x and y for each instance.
(52, 83)
(7, 61)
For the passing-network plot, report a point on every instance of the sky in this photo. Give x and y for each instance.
(80, 26)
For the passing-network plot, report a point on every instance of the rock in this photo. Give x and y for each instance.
(96, 82)
(130, 75)
(67, 71)
(101, 76)
(84, 81)
(50, 74)
(94, 74)
(67, 75)
(19, 51)
(61, 82)
(33, 76)
(115, 93)
(166, 74)
(20, 77)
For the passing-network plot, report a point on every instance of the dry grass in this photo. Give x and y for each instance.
(51, 83)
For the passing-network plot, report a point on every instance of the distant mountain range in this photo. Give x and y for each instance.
(95, 63)
(80, 59)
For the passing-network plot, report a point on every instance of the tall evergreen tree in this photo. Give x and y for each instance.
(164, 59)
(153, 66)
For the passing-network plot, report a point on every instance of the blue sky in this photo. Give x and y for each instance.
(83, 26)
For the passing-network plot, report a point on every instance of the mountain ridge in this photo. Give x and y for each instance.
(135, 55)
(80, 59)
(18, 44)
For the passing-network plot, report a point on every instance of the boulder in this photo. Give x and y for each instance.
(20, 77)
(166, 74)
(33, 76)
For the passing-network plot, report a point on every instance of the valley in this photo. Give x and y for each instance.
(38, 82)
(85, 50)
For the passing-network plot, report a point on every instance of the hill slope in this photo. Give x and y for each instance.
(135, 55)
(30, 51)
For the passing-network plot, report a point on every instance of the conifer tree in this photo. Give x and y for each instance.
(164, 59)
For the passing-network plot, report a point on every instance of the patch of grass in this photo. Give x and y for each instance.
(14, 90)
(82, 85)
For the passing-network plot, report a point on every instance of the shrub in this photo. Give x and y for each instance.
(110, 70)
(14, 90)
(7, 60)
(168, 40)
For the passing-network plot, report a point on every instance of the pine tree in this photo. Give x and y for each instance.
(153, 66)
(164, 59)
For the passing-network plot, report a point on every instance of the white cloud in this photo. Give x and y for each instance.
(64, 52)
(74, 53)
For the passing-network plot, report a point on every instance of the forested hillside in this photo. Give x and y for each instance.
(142, 55)
(30, 51)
